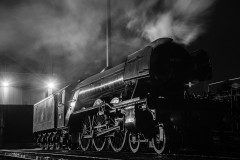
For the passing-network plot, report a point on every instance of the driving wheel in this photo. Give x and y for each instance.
(84, 142)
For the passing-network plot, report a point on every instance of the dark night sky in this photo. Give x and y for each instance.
(222, 40)
(48, 19)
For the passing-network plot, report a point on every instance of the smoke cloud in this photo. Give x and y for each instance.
(182, 20)
(70, 34)
(59, 32)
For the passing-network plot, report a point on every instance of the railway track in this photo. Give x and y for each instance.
(37, 154)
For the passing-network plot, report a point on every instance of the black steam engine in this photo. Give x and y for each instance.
(143, 102)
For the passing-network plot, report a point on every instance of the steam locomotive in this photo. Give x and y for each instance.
(143, 102)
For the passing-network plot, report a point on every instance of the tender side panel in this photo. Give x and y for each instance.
(44, 114)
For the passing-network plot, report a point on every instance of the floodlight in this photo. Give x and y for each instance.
(5, 83)
(51, 84)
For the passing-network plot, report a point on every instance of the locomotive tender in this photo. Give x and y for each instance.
(141, 101)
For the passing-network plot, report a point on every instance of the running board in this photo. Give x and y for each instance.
(107, 131)
(103, 132)
(88, 136)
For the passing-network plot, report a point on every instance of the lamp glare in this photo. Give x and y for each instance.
(5, 83)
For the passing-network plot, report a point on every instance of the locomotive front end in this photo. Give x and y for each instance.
(170, 68)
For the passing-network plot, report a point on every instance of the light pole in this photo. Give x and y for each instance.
(108, 32)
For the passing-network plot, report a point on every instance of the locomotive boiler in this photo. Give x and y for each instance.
(141, 101)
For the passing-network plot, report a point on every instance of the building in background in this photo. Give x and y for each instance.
(23, 82)
(16, 126)
(24, 88)
(18, 93)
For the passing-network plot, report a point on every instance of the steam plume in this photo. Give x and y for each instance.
(183, 20)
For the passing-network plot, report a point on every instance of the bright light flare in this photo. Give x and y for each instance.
(51, 84)
(5, 83)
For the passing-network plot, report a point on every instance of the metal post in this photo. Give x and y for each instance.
(108, 32)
